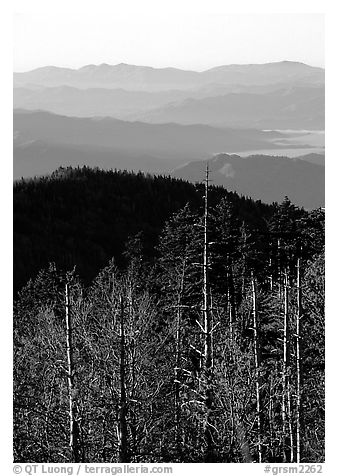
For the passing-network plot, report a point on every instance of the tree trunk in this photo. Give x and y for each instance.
(177, 383)
(284, 371)
(232, 298)
(73, 426)
(208, 357)
(257, 364)
(298, 369)
(279, 269)
(286, 398)
(178, 367)
(270, 271)
(244, 244)
(231, 323)
(123, 431)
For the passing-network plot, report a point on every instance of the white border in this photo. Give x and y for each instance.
(220, 6)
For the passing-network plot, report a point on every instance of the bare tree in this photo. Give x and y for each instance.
(73, 424)
(257, 366)
(287, 431)
(122, 417)
(208, 353)
(178, 365)
(298, 369)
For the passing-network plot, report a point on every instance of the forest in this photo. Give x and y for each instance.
(160, 321)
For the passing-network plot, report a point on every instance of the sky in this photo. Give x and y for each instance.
(189, 35)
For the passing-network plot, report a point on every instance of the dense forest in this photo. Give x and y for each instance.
(161, 321)
(85, 216)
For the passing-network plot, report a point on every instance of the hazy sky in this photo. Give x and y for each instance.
(184, 34)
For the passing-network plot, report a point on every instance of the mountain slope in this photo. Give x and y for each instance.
(130, 105)
(43, 141)
(296, 108)
(266, 73)
(263, 177)
(66, 100)
(85, 216)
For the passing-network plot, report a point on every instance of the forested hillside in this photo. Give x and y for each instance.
(191, 329)
(85, 216)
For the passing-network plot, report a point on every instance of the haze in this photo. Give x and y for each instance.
(71, 35)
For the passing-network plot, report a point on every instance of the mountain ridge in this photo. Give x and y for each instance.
(105, 141)
(293, 107)
(231, 65)
(262, 177)
(149, 78)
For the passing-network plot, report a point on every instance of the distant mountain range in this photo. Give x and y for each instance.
(118, 103)
(284, 95)
(158, 79)
(263, 177)
(156, 119)
(121, 103)
(44, 141)
(295, 107)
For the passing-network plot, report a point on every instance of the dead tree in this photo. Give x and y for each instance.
(122, 417)
(298, 369)
(177, 383)
(244, 239)
(231, 300)
(178, 365)
(287, 431)
(270, 277)
(207, 331)
(257, 366)
(279, 269)
(73, 424)
(231, 320)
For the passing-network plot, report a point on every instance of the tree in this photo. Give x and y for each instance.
(194, 355)
(257, 366)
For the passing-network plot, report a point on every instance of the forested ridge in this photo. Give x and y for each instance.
(84, 216)
(190, 330)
